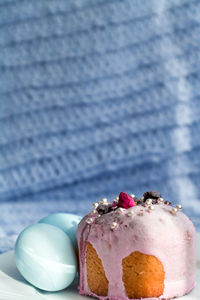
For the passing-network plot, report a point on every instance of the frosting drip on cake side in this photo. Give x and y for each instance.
(169, 236)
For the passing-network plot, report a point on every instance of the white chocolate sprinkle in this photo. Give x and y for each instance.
(116, 199)
(120, 209)
(113, 225)
(130, 213)
(160, 200)
(104, 200)
(148, 201)
(178, 206)
(89, 220)
(132, 195)
(151, 207)
(174, 210)
(95, 205)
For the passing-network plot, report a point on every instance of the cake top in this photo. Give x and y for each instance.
(129, 203)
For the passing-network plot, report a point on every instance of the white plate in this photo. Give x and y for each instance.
(14, 287)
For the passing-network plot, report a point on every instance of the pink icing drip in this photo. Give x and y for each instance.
(172, 239)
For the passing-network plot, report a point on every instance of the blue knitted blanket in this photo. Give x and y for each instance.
(97, 97)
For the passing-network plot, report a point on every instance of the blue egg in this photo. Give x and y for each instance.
(45, 257)
(67, 222)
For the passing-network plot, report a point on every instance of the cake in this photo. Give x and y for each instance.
(136, 248)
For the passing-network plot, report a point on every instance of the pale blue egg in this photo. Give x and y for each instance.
(45, 257)
(67, 222)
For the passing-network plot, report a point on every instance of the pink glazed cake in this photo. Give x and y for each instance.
(136, 249)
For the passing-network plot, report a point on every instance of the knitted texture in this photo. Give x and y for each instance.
(96, 97)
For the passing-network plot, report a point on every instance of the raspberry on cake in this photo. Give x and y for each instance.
(136, 248)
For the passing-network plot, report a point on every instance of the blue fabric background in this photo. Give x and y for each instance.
(97, 97)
